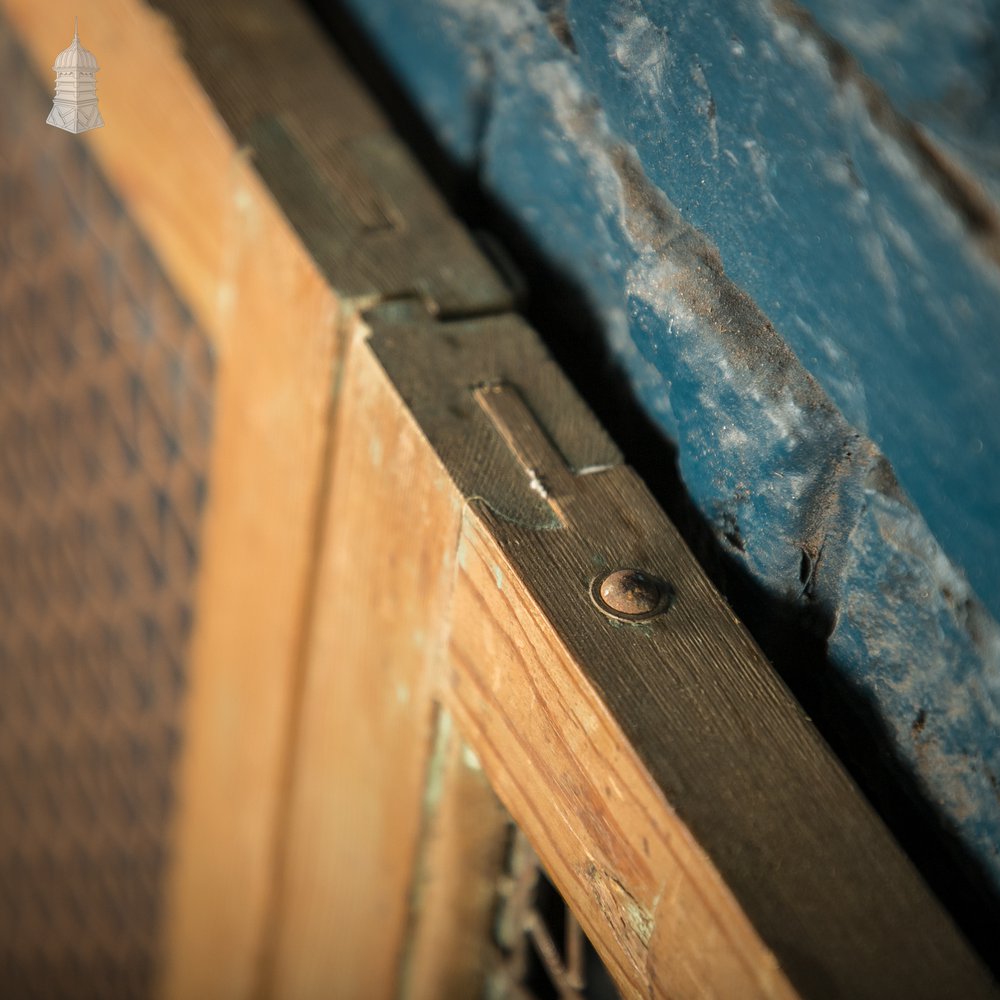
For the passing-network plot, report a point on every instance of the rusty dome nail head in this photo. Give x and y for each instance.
(630, 595)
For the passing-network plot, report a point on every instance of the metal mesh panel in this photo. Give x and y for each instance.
(542, 950)
(105, 416)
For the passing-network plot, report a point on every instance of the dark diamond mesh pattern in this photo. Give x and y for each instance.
(105, 385)
(542, 952)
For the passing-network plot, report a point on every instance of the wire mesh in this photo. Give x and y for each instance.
(542, 952)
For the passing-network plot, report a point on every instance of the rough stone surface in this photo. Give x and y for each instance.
(939, 63)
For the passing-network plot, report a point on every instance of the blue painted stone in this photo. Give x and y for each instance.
(939, 64)
(793, 303)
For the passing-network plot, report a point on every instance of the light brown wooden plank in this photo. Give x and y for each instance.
(274, 389)
(453, 903)
(271, 317)
(375, 654)
(566, 772)
(171, 152)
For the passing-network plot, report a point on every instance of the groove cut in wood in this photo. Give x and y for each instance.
(545, 468)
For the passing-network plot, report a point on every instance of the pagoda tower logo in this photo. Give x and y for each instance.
(75, 105)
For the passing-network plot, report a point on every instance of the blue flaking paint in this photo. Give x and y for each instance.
(793, 198)
(687, 154)
(939, 63)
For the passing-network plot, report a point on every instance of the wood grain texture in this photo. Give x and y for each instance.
(274, 390)
(347, 185)
(451, 946)
(708, 840)
(364, 733)
(791, 345)
(172, 150)
(271, 318)
(602, 829)
(717, 769)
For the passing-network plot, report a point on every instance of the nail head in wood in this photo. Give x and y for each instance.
(630, 594)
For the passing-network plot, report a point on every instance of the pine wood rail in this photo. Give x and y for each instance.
(408, 507)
